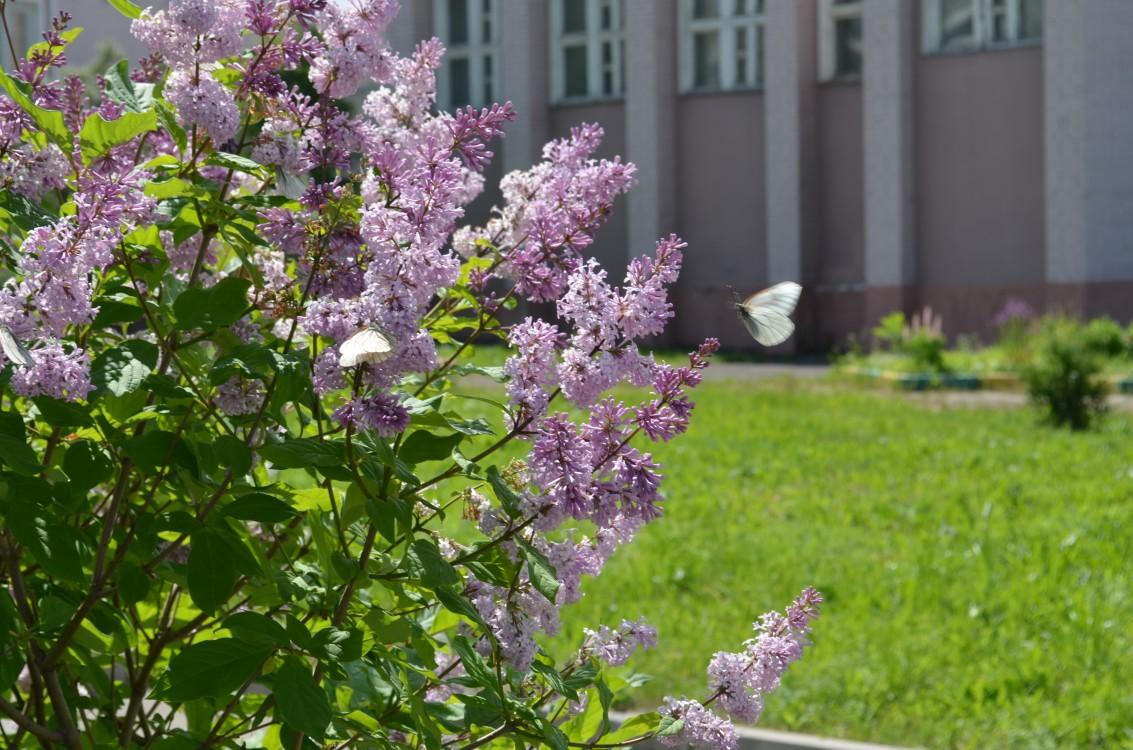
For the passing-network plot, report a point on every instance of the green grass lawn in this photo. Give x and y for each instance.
(976, 566)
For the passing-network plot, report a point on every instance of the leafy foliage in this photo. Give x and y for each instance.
(236, 449)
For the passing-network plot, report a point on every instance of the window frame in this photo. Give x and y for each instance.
(481, 77)
(591, 40)
(983, 24)
(829, 14)
(725, 25)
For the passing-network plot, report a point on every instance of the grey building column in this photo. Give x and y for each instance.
(789, 86)
(889, 43)
(651, 112)
(1089, 154)
(413, 24)
(523, 79)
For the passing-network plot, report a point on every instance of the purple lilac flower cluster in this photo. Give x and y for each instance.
(738, 681)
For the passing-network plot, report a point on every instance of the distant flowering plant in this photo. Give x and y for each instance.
(236, 323)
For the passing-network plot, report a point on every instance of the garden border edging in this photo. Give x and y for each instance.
(770, 739)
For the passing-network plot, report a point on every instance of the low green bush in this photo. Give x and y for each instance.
(1063, 380)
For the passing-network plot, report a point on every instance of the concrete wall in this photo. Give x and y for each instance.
(839, 262)
(979, 182)
(611, 240)
(721, 213)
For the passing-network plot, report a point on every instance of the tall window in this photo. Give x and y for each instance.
(587, 57)
(958, 25)
(721, 44)
(840, 39)
(468, 29)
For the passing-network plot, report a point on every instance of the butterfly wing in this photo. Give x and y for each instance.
(768, 327)
(766, 314)
(13, 349)
(368, 346)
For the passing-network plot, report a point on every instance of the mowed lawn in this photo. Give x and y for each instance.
(976, 566)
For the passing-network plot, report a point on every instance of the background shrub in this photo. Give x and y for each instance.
(1063, 380)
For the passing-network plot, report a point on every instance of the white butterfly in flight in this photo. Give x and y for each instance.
(367, 347)
(766, 314)
(13, 349)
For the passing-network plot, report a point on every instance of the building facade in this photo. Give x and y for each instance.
(888, 154)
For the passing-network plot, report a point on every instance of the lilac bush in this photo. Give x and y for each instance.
(249, 497)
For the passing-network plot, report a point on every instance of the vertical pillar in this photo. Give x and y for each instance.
(650, 110)
(523, 79)
(1088, 155)
(789, 84)
(413, 24)
(887, 89)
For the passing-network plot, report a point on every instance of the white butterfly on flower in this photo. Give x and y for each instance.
(13, 349)
(367, 347)
(766, 314)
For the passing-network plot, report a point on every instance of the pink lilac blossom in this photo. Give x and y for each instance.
(202, 101)
(55, 372)
(192, 32)
(739, 681)
(698, 726)
(615, 647)
(379, 412)
(238, 397)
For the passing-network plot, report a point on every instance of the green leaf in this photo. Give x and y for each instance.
(235, 162)
(59, 413)
(121, 369)
(87, 465)
(301, 703)
(302, 453)
(133, 584)
(18, 455)
(126, 8)
(233, 454)
(669, 726)
(422, 445)
(505, 494)
(424, 563)
(554, 679)
(256, 628)
(540, 570)
(554, 736)
(100, 135)
(54, 546)
(260, 507)
(635, 727)
(212, 569)
(154, 449)
(26, 214)
(135, 97)
(212, 307)
(212, 669)
(50, 121)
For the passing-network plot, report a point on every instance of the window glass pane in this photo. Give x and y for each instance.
(999, 27)
(489, 72)
(706, 60)
(740, 8)
(705, 9)
(741, 57)
(608, 69)
(575, 71)
(457, 22)
(957, 24)
(574, 16)
(486, 23)
(848, 46)
(606, 17)
(460, 82)
(1031, 19)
